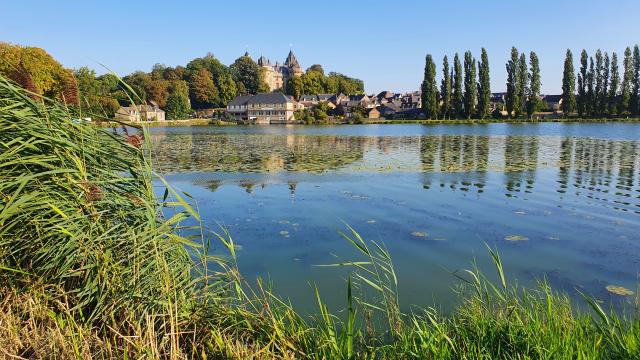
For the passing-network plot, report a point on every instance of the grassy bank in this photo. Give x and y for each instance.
(508, 121)
(93, 266)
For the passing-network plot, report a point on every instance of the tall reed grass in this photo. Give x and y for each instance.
(94, 265)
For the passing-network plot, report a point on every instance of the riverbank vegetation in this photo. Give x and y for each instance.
(93, 264)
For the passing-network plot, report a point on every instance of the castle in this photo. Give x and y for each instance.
(276, 76)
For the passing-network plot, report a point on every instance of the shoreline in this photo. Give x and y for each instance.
(216, 122)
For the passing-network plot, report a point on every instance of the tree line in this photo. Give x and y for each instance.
(465, 90)
(204, 83)
(601, 91)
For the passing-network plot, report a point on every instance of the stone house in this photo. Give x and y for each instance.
(263, 108)
(137, 113)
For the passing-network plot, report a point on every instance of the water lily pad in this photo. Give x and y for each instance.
(284, 233)
(371, 221)
(283, 221)
(419, 234)
(439, 239)
(520, 212)
(619, 290)
(553, 237)
(516, 238)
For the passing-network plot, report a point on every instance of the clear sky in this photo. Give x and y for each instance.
(381, 42)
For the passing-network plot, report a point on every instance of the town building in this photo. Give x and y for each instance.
(263, 108)
(277, 75)
(137, 113)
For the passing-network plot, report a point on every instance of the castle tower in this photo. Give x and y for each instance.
(292, 64)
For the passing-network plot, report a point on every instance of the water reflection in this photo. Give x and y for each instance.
(602, 170)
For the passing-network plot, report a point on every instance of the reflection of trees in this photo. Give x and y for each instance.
(465, 156)
(255, 153)
(593, 166)
(520, 162)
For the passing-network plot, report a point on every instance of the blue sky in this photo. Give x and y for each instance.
(382, 42)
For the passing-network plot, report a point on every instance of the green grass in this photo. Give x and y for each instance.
(93, 265)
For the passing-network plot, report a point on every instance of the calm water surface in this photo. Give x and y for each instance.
(433, 194)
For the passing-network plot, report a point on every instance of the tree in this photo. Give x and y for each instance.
(178, 101)
(317, 68)
(512, 100)
(533, 95)
(158, 91)
(312, 82)
(634, 104)
(613, 87)
(568, 85)
(582, 84)
(429, 89)
(445, 89)
(599, 77)
(247, 72)
(227, 89)
(470, 86)
(590, 88)
(522, 84)
(458, 101)
(627, 77)
(202, 90)
(602, 102)
(484, 88)
(294, 87)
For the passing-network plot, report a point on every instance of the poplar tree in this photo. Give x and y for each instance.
(627, 76)
(635, 83)
(568, 85)
(533, 95)
(457, 87)
(512, 99)
(523, 77)
(602, 103)
(598, 75)
(590, 87)
(445, 89)
(484, 86)
(470, 86)
(613, 85)
(430, 90)
(582, 83)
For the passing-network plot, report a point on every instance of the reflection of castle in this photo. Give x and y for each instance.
(276, 76)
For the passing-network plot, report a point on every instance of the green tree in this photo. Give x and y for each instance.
(317, 68)
(158, 91)
(582, 83)
(445, 89)
(202, 90)
(568, 85)
(613, 85)
(430, 89)
(634, 102)
(458, 101)
(599, 77)
(512, 100)
(312, 82)
(470, 85)
(484, 85)
(522, 84)
(178, 101)
(247, 72)
(627, 77)
(602, 102)
(590, 88)
(533, 95)
(227, 89)
(294, 87)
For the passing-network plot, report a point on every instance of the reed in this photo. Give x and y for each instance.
(94, 265)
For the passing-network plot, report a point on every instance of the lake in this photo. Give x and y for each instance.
(559, 201)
